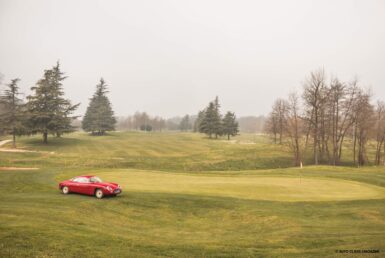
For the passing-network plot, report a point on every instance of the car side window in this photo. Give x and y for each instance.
(80, 180)
(84, 180)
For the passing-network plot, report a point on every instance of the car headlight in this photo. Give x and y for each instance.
(109, 188)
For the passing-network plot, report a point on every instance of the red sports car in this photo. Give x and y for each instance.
(90, 185)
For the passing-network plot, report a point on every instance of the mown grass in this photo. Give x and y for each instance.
(155, 151)
(185, 196)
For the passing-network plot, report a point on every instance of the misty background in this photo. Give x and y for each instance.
(170, 58)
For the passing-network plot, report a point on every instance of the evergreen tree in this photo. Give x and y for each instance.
(99, 117)
(198, 121)
(217, 118)
(48, 111)
(230, 125)
(12, 115)
(210, 121)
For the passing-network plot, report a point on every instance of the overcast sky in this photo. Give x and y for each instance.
(171, 57)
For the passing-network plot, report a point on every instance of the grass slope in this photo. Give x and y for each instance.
(182, 199)
(155, 151)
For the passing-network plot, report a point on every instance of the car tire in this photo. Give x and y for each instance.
(99, 193)
(65, 190)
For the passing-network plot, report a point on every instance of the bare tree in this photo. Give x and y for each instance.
(158, 123)
(379, 130)
(294, 128)
(314, 100)
(271, 126)
(341, 101)
(363, 118)
(278, 119)
(330, 114)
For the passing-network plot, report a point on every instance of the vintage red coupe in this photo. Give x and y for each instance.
(90, 185)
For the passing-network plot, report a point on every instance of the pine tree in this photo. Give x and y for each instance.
(12, 117)
(62, 121)
(99, 117)
(48, 111)
(198, 121)
(230, 125)
(209, 123)
(217, 118)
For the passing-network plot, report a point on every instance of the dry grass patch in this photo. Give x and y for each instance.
(17, 168)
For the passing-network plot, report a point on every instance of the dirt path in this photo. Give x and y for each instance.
(15, 150)
(2, 143)
(17, 168)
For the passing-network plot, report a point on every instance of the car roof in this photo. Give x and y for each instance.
(84, 176)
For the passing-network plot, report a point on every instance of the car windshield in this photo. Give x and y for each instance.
(95, 179)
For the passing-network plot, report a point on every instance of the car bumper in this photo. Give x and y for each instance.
(116, 191)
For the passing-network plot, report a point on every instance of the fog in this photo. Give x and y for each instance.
(171, 57)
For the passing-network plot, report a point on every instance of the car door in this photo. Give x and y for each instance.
(83, 185)
(75, 185)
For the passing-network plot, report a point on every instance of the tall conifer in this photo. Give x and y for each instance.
(12, 118)
(48, 111)
(99, 117)
(230, 125)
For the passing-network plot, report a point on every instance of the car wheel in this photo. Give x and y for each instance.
(65, 190)
(99, 194)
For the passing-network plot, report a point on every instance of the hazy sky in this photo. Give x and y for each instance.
(171, 57)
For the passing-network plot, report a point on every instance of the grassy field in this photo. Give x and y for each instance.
(186, 196)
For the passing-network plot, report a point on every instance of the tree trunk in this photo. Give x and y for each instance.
(228, 137)
(384, 154)
(315, 148)
(361, 149)
(354, 144)
(340, 148)
(14, 138)
(380, 142)
(45, 137)
(378, 152)
(297, 152)
(306, 141)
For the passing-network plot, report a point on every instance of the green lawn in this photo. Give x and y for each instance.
(186, 196)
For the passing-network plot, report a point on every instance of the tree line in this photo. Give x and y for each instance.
(141, 121)
(47, 112)
(327, 117)
(208, 121)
